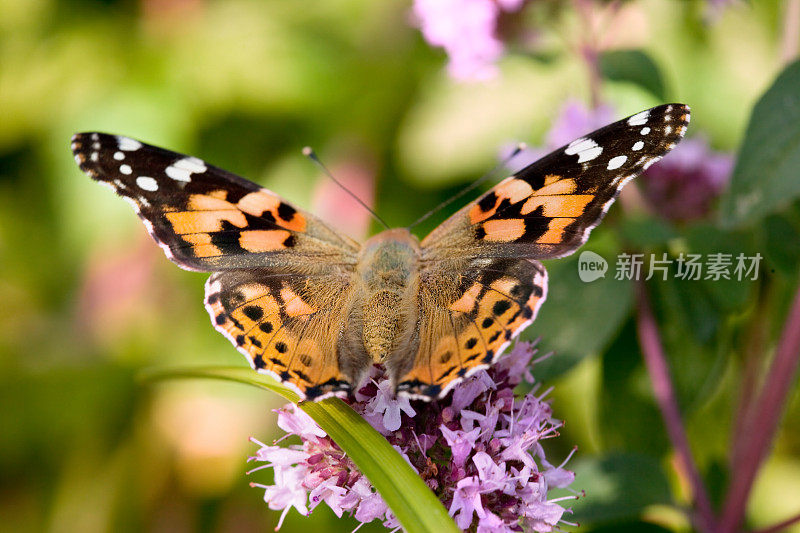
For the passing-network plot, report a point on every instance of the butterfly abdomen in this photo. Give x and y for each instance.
(388, 268)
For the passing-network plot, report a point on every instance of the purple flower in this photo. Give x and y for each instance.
(383, 410)
(461, 443)
(466, 29)
(576, 120)
(466, 501)
(478, 449)
(684, 185)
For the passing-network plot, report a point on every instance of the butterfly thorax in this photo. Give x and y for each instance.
(388, 268)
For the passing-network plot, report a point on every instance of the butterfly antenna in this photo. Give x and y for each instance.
(309, 153)
(520, 147)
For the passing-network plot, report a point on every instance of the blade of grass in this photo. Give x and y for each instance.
(412, 502)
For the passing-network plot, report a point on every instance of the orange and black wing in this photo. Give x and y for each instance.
(481, 283)
(281, 274)
(547, 209)
(206, 218)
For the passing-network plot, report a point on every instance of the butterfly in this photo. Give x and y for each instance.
(316, 310)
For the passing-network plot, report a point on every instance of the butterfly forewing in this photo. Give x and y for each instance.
(547, 209)
(206, 218)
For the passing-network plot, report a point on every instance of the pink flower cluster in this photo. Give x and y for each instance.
(467, 30)
(479, 450)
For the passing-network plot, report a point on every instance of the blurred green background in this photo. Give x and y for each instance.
(87, 300)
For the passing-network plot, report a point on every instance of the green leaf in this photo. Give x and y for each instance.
(765, 177)
(642, 232)
(618, 487)
(781, 234)
(413, 503)
(626, 395)
(729, 294)
(633, 66)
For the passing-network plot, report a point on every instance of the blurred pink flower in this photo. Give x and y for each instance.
(575, 120)
(337, 208)
(467, 30)
(118, 285)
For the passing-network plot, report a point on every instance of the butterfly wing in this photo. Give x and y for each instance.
(206, 218)
(545, 210)
(287, 325)
(468, 316)
(283, 278)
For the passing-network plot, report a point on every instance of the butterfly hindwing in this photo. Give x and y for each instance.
(206, 218)
(467, 321)
(287, 325)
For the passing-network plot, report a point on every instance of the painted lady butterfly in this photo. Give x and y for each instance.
(315, 309)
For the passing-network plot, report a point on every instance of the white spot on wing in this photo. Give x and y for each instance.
(119, 156)
(585, 149)
(639, 119)
(645, 130)
(182, 169)
(617, 162)
(77, 159)
(126, 169)
(94, 156)
(147, 183)
(638, 145)
(127, 144)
